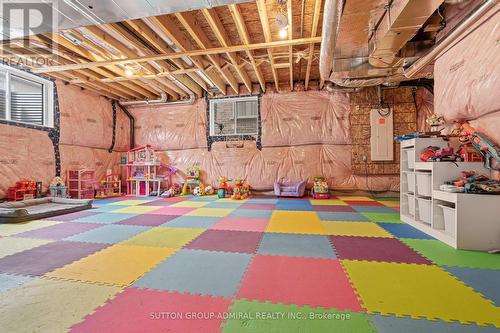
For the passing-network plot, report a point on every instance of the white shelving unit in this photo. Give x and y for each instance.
(464, 221)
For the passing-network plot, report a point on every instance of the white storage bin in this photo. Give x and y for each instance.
(410, 158)
(424, 210)
(411, 204)
(424, 184)
(410, 180)
(449, 219)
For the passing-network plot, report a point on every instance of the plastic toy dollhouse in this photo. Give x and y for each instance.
(142, 172)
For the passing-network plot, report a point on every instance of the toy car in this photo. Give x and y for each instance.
(445, 154)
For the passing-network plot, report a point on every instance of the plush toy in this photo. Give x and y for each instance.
(320, 188)
(434, 122)
(224, 185)
(198, 191)
(241, 190)
(209, 190)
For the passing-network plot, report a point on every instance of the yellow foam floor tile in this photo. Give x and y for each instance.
(10, 229)
(418, 291)
(136, 209)
(165, 237)
(210, 212)
(45, 305)
(390, 203)
(327, 202)
(11, 245)
(117, 265)
(130, 202)
(361, 229)
(295, 222)
(354, 198)
(190, 204)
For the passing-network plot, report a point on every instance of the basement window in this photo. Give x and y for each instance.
(234, 116)
(26, 98)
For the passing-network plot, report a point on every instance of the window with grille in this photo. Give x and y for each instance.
(25, 98)
(234, 116)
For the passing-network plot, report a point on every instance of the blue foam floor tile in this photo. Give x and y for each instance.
(108, 234)
(403, 230)
(204, 198)
(201, 222)
(341, 216)
(222, 272)
(105, 208)
(105, 218)
(9, 281)
(262, 200)
(374, 209)
(484, 281)
(105, 201)
(391, 324)
(251, 213)
(314, 246)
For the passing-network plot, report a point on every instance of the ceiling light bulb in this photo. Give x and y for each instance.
(128, 72)
(283, 33)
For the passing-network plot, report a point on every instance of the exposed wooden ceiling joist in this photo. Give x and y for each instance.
(216, 50)
(314, 31)
(261, 7)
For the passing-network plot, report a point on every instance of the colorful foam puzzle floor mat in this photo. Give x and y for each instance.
(264, 264)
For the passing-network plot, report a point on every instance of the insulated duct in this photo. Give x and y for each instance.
(449, 39)
(331, 22)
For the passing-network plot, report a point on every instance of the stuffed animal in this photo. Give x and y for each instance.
(198, 191)
(209, 190)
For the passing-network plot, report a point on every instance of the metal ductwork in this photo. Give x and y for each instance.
(331, 22)
(399, 24)
(452, 37)
(163, 100)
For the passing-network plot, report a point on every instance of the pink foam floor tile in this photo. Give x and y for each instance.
(241, 224)
(141, 310)
(299, 281)
(264, 206)
(172, 211)
(227, 241)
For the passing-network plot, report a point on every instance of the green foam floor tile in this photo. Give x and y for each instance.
(383, 217)
(253, 316)
(444, 255)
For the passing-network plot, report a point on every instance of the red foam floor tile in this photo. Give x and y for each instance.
(141, 310)
(299, 281)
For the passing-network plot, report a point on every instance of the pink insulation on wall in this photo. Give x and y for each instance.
(303, 134)
(87, 120)
(24, 154)
(424, 102)
(86, 133)
(305, 118)
(467, 78)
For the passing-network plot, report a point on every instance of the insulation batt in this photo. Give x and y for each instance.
(467, 78)
(303, 134)
(86, 132)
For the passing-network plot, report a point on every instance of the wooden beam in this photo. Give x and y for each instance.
(161, 46)
(261, 8)
(188, 21)
(290, 37)
(314, 31)
(139, 46)
(219, 31)
(154, 87)
(243, 33)
(172, 31)
(79, 52)
(217, 50)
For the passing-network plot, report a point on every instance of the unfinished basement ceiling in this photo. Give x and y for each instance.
(235, 27)
(235, 47)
